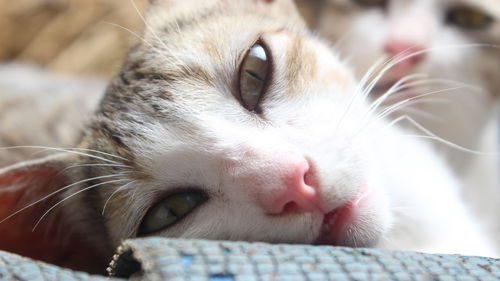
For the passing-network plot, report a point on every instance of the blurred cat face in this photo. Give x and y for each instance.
(449, 75)
(368, 30)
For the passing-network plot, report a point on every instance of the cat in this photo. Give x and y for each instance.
(449, 35)
(458, 41)
(232, 121)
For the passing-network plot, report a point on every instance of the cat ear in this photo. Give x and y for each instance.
(28, 191)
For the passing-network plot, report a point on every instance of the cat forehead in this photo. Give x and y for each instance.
(211, 34)
(181, 15)
(182, 76)
(196, 52)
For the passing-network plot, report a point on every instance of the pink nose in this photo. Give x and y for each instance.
(401, 48)
(297, 192)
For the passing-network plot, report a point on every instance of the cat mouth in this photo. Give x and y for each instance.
(335, 229)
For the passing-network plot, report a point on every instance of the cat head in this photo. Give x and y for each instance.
(390, 28)
(228, 121)
(455, 65)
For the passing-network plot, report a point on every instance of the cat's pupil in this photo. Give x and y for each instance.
(253, 77)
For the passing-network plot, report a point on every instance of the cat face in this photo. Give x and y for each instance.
(455, 77)
(231, 124)
(393, 27)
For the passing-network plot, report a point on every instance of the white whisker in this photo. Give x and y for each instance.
(397, 106)
(114, 192)
(455, 146)
(394, 88)
(384, 68)
(72, 195)
(57, 191)
(97, 151)
(96, 165)
(60, 150)
(409, 109)
(387, 111)
(430, 135)
(361, 91)
(403, 56)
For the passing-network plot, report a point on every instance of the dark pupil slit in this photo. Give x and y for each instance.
(253, 75)
(172, 212)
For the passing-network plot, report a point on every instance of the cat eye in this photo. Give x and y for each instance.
(371, 3)
(254, 72)
(170, 210)
(468, 18)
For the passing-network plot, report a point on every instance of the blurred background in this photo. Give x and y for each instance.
(69, 36)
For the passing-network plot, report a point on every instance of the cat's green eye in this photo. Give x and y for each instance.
(254, 72)
(169, 211)
(371, 3)
(468, 18)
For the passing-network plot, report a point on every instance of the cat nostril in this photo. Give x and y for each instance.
(297, 193)
(290, 207)
(309, 179)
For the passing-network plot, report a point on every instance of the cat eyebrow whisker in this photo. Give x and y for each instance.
(72, 195)
(155, 49)
(67, 150)
(152, 31)
(115, 192)
(58, 191)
